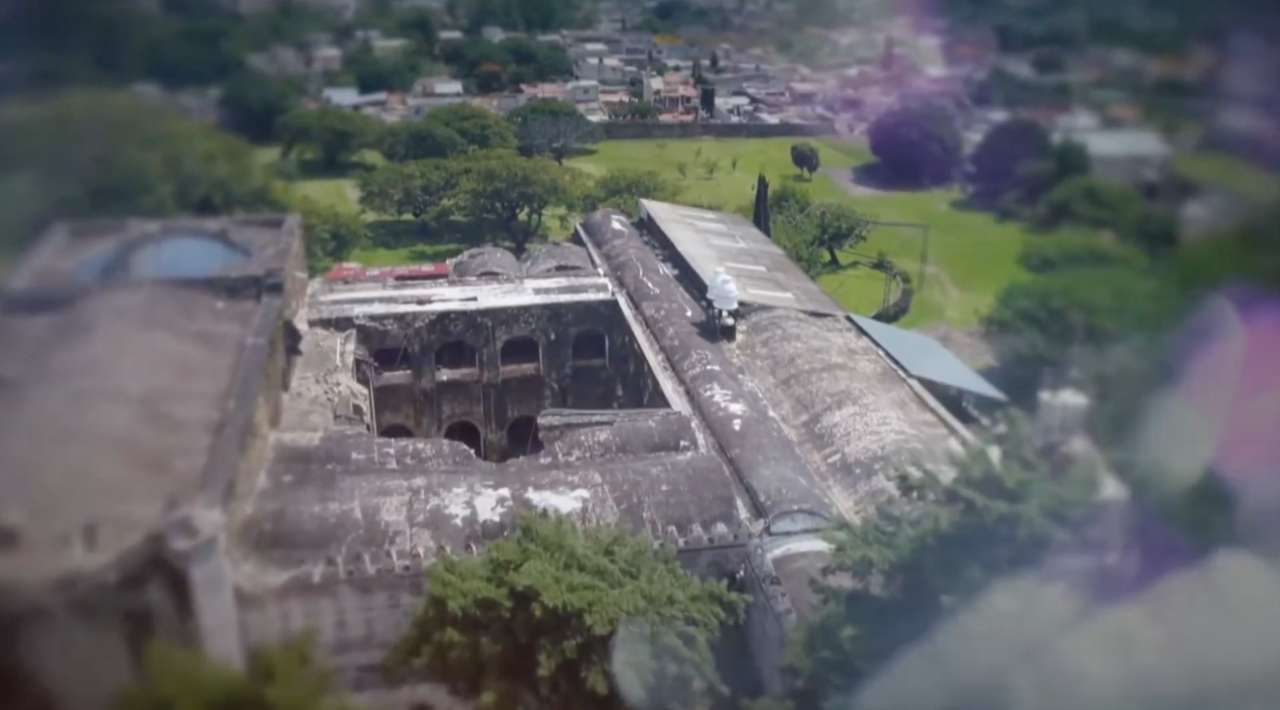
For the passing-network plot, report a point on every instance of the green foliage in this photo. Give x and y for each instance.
(507, 64)
(918, 143)
(932, 549)
(805, 157)
(286, 677)
(1091, 202)
(561, 618)
(634, 111)
(421, 139)
(526, 15)
(332, 135)
(789, 199)
(622, 189)
(1056, 252)
(838, 226)
(100, 154)
(1004, 156)
(1040, 322)
(552, 127)
(424, 188)
(481, 129)
(375, 73)
(252, 104)
(331, 234)
(514, 192)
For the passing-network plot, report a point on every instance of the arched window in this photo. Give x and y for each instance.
(522, 437)
(457, 355)
(465, 432)
(520, 351)
(590, 346)
(396, 431)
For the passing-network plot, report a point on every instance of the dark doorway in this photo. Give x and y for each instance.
(396, 358)
(590, 346)
(519, 351)
(457, 355)
(396, 431)
(467, 433)
(522, 437)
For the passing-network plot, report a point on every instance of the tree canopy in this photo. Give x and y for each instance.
(496, 66)
(1004, 155)
(332, 135)
(552, 127)
(97, 153)
(918, 143)
(557, 617)
(285, 677)
(514, 192)
(252, 104)
(805, 157)
(623, 189)
(481, 129)
(838, 226)
(421, 139)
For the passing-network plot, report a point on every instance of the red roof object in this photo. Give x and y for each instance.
(349, 271)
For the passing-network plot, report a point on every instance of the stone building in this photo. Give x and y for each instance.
(420, 411)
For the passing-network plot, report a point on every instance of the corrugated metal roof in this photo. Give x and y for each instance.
(765, 275)
(926, 359)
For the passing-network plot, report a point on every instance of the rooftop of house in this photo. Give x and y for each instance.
(130, 346)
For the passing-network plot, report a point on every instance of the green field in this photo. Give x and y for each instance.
(972, 256)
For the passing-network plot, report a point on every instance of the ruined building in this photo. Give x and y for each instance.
(215, 451)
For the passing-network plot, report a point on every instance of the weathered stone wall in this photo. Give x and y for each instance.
(615, 130)
(416, 392)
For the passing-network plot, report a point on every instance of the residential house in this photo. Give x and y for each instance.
(606, 70)
(350, 98)
(326, 58)
(389, 46)
(1137, 156)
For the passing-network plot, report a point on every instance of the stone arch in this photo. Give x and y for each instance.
(457, 355)
(466, 432)
(520, 350)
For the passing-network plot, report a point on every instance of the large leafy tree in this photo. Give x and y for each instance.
(933, 548)
(837, 226)
(285, 677)
(252, 104)
(424, 188)
(557, 617)
(918, 143)
(331, 233)
(94, 153)
(552, 127)
(623, 189)
(481, 129)
(333, 136)
(1004, 155)
(418, 140)
(515, 192)
(805, 157)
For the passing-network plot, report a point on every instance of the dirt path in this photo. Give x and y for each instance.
(844, 178)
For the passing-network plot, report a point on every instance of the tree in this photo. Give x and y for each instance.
(424, 189)
(557, 617)
(331, 134)
(683, 169)
(710, 167)
(481, 129)
(551, 127)
(375, 73)
(622, 189)
(1004, 155)
(285, 677)
(418, 140)
(419, 25)
(805, 157)
(633, 111)
(837, 227)
(513, 191)
(104, 154)
(331, 234)
(934, 547)
(252, 104)
(733, 164)
(1091, 202)
(918, 143)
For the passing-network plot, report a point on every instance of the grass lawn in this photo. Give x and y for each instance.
(972, 256)
(1210, 169)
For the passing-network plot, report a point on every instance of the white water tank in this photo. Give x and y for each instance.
(723, 291)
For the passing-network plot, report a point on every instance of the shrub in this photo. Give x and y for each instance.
(918, 143)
